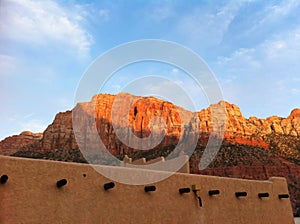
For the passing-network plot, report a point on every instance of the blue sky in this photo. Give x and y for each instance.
(253, 48)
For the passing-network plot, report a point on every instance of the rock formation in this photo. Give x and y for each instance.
(252, 148)
(14, 143)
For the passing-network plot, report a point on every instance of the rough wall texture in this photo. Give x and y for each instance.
(30, 196)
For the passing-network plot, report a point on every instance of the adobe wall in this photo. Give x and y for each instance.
(30, 195)
(161, 164)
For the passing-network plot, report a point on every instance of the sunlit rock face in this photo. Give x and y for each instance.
(252, 148)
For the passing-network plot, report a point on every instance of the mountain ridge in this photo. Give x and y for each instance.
(269, 146)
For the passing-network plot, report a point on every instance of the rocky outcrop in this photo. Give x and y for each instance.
(253, 131)
(280, 136)
(59, 134)
(265, 147)
(15, 143)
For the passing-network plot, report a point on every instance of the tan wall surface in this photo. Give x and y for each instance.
(161, 164)
(30, 196)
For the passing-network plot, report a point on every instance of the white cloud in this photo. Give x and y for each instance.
(7, 64)
(272, 17)
(208, 26)
(282, 49)
(295, 91)
(274, 12)
(40, 22)
(241, 56)
(104, 14)
(161, 12)
(266, 74)
(27, 116)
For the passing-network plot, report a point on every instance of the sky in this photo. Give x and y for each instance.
(252, 48)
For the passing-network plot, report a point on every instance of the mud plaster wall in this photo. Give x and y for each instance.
(30, 196)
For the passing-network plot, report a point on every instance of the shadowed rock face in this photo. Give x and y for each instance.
(264, 147)
(252, 131)
(14, 143)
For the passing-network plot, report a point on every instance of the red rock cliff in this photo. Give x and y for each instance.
(253, 131)
(248, 142)
(14, 143)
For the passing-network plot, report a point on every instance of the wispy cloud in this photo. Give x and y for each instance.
(207, 27)
(104, 14)
(161, 12)
(7, 64)
(282, 48)
(40, 22)
(267, 18)
(274, 13)
(295, 91)
(253, 47)
(264, 72)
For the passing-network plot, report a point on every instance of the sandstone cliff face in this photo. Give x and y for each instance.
(278, 135)
(137, 125)
(14, 143)
(59, 134)
(261, 146)
(252, 131)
